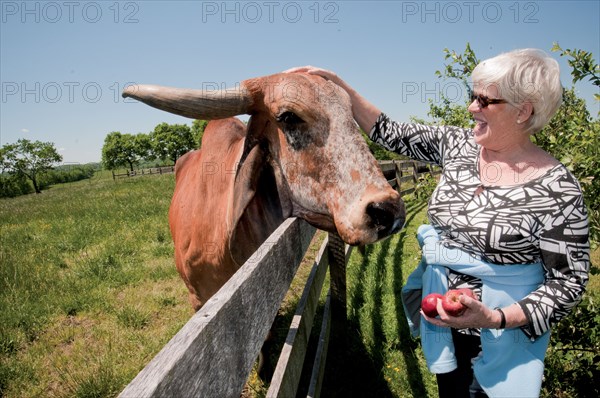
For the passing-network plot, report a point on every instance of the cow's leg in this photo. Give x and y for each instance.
(265, 367)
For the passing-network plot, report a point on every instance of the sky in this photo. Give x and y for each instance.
(63, 64)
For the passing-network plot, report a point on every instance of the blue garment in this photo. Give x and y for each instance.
(510, 364)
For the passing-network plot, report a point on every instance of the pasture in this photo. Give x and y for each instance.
(88, 289)
(89, 294)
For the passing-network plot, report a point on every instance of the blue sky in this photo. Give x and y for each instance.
(64, 63)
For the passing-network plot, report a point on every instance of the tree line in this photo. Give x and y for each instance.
(30, 166)
(165, 144)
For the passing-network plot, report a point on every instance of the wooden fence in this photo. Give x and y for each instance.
(404, 175)
(142, 172)
(213, 354)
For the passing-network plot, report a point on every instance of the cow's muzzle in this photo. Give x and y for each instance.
(386, 218)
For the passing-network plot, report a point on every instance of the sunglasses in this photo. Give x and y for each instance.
(484, 101)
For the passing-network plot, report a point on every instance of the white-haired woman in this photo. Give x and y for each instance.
(510, 212)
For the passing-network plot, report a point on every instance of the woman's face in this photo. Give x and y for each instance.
(496, 124)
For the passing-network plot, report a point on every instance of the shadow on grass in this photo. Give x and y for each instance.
(407, 345)
(353, 368)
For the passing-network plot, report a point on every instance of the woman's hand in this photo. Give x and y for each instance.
(312, 70)
(364, 112)
(477, 315)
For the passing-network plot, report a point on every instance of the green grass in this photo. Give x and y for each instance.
(382, 359)
(88, 289)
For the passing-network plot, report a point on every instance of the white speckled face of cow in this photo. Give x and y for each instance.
(333, 178)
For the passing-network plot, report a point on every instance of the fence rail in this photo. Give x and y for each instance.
(142, 172)
(213, 354)
(400, 172)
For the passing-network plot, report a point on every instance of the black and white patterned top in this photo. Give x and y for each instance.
(544, 219)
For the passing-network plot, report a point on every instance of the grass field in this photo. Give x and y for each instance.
(88, 289)
(89, 294)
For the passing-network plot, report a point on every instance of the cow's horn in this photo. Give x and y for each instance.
(195, 104)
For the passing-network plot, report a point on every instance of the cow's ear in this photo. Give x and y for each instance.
(257, 209)
(246, 180)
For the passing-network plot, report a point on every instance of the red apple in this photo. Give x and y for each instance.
(451, 301)
(429, 304)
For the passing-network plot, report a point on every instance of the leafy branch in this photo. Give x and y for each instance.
(582, 65)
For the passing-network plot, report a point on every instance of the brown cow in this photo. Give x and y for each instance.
(301, 154)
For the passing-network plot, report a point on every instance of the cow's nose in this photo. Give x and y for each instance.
(386, 217)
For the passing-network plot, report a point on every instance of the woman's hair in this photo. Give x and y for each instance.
(524, 76)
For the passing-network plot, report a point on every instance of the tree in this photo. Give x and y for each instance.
(30, 159)
(460, 67)
(170, 141)
(582, 65)
(124, 149)
(572, 135)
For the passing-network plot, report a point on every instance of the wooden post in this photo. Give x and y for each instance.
(398, 170)
(415, 172)
(337, 275)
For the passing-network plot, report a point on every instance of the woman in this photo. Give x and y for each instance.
(501, 201)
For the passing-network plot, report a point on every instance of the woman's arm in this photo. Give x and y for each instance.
(420, 142)
(565, 252)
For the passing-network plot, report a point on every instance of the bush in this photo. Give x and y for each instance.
(12, 185)
(425, 187)
(571, 137)
(70, 174)
(573, 358)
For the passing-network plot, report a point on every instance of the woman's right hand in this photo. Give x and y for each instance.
(364, 112)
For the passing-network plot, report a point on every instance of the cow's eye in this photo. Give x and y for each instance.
(289, 118)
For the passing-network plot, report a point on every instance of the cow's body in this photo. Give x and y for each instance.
(207, 251)
(301, 154)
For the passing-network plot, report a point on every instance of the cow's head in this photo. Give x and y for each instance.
(303, 126)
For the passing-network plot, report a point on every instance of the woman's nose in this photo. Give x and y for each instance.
(474, 106)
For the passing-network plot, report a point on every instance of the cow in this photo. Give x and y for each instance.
(300, 155)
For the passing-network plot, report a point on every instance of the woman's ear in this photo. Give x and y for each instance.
(525, 112)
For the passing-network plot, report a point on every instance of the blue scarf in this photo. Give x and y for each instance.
(510, 364)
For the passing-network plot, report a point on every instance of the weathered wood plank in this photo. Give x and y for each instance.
(408, 178)
(212, 355)
(405, 164)
(386, 165)
(318, 369)
(407, 191)
(291, 360)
